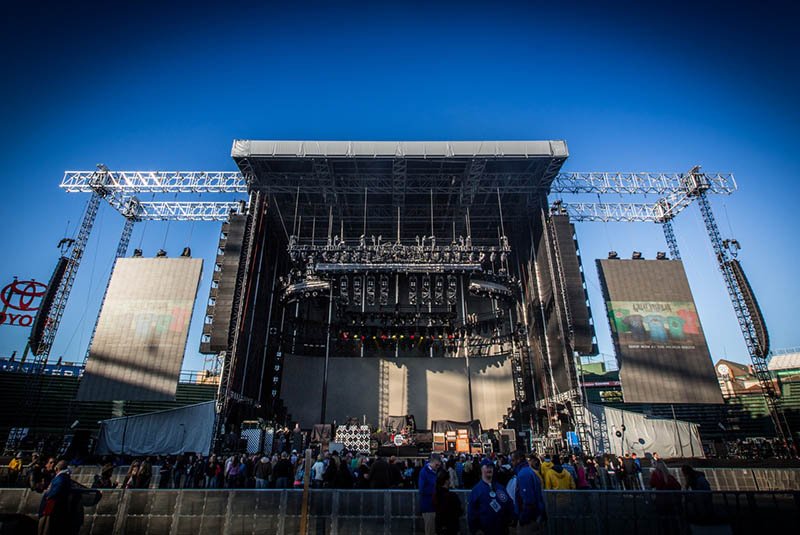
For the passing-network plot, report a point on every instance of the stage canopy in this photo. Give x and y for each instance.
(409, 176)
(170, 432)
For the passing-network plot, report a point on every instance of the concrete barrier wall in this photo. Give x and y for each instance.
(343, 512)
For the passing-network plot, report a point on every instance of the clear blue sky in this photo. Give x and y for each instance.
(630, 88)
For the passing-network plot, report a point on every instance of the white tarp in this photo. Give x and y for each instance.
(642, 434)
(170, 432)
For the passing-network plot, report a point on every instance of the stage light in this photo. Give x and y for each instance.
(344, 335)
(402, 336)
(161, 253)
(186, 252)
(137, 253)
(383, 336)
(661, 255)
(374, 337)
(612, 255)
(636, 255)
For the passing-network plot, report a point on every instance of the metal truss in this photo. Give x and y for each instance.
(746, 323)
(637, 183)
(122, 250)
(130, 182)
(672, 243)
(159, 181)
(62, 294)
(187, 211)
(597, 211)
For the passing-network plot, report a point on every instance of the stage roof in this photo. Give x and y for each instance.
(423, 179)
(399, 149)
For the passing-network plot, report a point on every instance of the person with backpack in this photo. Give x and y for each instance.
(525, 489)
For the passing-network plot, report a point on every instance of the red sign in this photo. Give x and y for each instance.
(19, 300)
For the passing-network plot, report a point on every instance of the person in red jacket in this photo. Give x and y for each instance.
(668, 502)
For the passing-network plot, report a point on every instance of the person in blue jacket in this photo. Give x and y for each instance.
(528, 499)
(427, 488)
(55, 515)
(489, 508)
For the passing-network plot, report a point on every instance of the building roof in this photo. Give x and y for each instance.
(733, 369)
(785, 361)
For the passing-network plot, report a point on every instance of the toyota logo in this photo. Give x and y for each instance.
(20, 295)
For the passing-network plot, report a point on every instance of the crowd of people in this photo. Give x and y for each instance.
(509, 491)
(504, 490)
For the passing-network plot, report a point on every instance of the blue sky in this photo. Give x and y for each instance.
(630, 88)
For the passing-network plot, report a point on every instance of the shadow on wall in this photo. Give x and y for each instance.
(109, 378)
(428, 388)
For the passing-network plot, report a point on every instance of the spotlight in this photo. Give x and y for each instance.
(187, 252)
(661, 255)
(636, 255)
(161, 253)
(137, 253)
(612, 255)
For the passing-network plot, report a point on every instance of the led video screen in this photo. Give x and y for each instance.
(659, 340)
(138, 348)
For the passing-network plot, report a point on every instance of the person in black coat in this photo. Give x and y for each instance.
(447, 506)
(379, 474)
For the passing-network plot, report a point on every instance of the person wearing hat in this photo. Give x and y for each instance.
(427, 488)
(104, 480)
(263, 473)
(489, 508)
